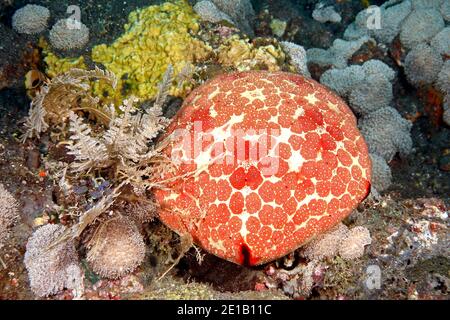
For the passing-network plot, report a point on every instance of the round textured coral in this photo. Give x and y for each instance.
(267, 161)
(116, 249)
(52, 265)
(69, 34)
(30, 19)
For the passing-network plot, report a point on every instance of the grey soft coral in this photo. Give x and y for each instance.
(386, 133)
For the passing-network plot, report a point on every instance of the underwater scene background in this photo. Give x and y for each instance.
(95, 203)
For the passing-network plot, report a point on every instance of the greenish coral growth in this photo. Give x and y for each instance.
(56, 65)
(154, 37)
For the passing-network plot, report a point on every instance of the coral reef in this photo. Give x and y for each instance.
(377, 67)
(155, 37)
(116, 249)
(103, 203)
(422, 65)
(343, 80)
(31, 19)
(229, 213)
(324, 14)
(420, 26)
(297, 54)
(9, 214)
(391, 19)
(386, 133)
(443, 79)
(415, 23)
(209, 12)
(445, 10)
(241, 11)
(367, 87)
(69, 34)
(381, 173)
(243, 55)
(52, 265)
(374, 93)
(338, 54)
(422, 33)
(441, 42)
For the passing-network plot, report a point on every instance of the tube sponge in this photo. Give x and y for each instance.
(386, 133)
(422, 65)
(50, 267)
(116, 249)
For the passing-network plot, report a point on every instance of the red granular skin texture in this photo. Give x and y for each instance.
(281, 161)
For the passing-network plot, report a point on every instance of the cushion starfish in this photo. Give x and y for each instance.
(266, 161)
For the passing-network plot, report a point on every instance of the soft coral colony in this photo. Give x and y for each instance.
(245, 207)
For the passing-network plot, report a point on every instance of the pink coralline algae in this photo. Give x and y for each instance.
(266, 161)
